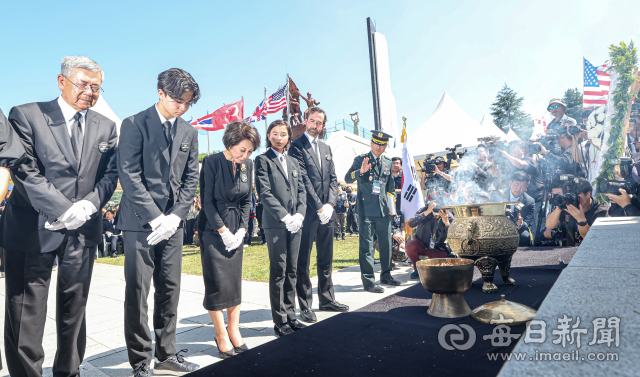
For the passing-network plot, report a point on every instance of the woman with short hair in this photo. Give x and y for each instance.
(225, 182)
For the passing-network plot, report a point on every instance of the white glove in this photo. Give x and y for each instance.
(157, 221)
(57, 225)
(327, 212)
(239, 238)
(296, 224)
(164, 231)
(228, 239)
(77, 214)
(287, 219)
(109, 234)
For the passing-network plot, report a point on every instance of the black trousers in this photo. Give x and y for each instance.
(189, 228)
(283, 249)
(322, 235)
(352, 222)
(27, 286)
(161, 263)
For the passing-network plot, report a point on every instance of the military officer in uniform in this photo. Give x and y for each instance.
(372, 171)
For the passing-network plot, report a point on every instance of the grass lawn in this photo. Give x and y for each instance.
(255, 265)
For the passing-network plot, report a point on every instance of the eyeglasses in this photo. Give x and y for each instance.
(83, 88)
(553, 107)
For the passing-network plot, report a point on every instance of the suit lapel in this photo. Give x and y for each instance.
(276, 161)
(60, 132)
(177, 140)
(90, 134)
(154, 125)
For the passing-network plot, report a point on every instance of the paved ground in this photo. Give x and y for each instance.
(106, 352)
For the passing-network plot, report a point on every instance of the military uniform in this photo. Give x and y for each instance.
(373, 212)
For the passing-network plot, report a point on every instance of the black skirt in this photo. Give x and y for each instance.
(222, 272)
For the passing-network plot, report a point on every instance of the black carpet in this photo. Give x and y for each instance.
(395, 336)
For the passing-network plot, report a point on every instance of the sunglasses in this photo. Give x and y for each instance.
(553, 107)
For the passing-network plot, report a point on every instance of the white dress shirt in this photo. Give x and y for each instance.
(68, 113)
(283, 161)
(513, 199)
(163, 119)
(311, 139)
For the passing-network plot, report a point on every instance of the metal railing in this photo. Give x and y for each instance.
(346, 125)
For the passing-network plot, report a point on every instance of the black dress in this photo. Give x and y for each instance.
(12, 151)
(226, 202)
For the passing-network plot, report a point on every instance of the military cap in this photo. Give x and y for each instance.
(380, 137)
(558, 101)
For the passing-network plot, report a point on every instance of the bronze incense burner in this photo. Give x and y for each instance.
(483, 233)
(447, 279)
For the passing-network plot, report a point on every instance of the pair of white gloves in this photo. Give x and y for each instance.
(293, 223)
(327, 212)
(164, 226)
(74, 217)
(233, 241)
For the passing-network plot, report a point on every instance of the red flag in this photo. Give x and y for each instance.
(221, 117)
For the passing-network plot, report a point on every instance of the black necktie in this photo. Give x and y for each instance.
(76, 137)
(166, 126)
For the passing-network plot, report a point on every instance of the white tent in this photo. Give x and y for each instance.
(489, 126)
(104, 109)
(511, 136)
(447, 126)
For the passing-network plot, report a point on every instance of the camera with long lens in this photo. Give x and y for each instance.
(453, 154)
(429, 164)
(627, 182)
(569, 197)
(550, 143)
(493, 145)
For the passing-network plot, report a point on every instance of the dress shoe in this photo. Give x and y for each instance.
(283, 330)
(415, 275)
(296, 325)
(334, 306)
(374, 288)
(239, 349)
(308, 315)
(390, 281)
(343, 237)
(114, 255)
(224, 354)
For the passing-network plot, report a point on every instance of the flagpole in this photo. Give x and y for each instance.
(266, 127)
(208, 152)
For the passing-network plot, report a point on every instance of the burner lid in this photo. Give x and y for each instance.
(503, 312)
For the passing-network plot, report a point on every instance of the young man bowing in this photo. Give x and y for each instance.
(158, 168)
(319, 177)
(69, 173)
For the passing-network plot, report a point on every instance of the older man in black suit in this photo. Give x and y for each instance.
(158, 169)
(319, 177)
(70, 173)
(112, 234)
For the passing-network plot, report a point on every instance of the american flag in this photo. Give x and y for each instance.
(277, 101)
(596, 85)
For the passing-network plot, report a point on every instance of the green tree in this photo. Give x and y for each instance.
(201, 156)
(573, 99)
(507, 111)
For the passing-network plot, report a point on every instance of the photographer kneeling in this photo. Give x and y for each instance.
(623, 204)
(580, 210)
(431, 234)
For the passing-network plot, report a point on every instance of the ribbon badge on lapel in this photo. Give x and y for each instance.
(294, 174)
(243, 177)
(103, 147)
(243, 168)
(328, 157)
(184, 146)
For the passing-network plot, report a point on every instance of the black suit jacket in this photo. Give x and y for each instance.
(280, 194)
(526, 212)
(319, 177)
(149, 175)
(108, 227)
(51, 180)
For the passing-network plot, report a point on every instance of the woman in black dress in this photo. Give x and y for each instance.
(226, 180)
(11, 153)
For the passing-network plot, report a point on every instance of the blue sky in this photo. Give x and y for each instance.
(235, 49)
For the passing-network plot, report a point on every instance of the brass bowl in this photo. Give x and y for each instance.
(447, 279)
